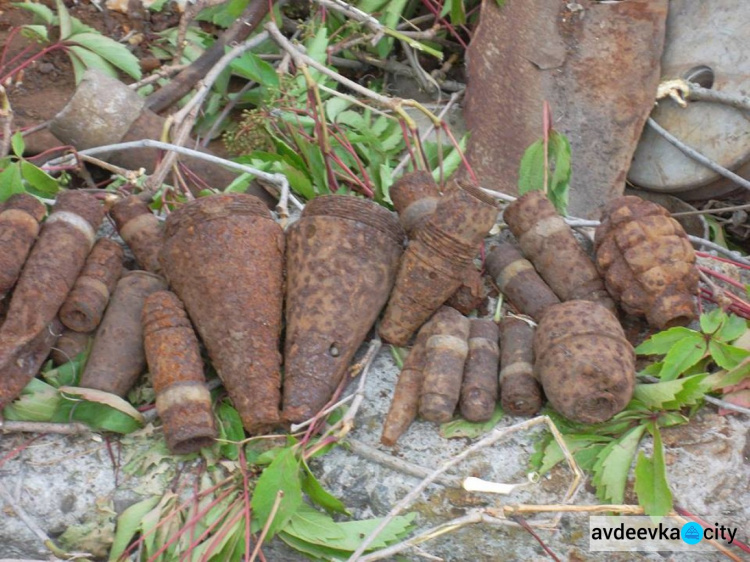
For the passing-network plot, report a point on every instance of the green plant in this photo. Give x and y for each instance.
(17, 174)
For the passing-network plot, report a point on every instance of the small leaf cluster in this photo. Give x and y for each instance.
(18, 175)
(531, 172)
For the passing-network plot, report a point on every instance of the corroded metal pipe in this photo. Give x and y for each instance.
(479, 387)
(520, 393)
(141, 231)
(19, 226)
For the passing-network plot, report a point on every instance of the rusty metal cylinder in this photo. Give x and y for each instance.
(20, 216)
(117, 358)
(141, 230)
(433, 265)
(183, 401)
(520, 393)
(517, 279)
(479, 387)
(446, 351)
(415, 196)
(70, 345)
(223, 256)
(584, 362)
(647, 262)
(550, 245)
(342, 257)
(84, 306)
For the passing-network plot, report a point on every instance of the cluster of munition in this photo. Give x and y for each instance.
(222, 267)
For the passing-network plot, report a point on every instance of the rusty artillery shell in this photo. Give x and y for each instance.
(446, 352)
(141, 231)
(584, 362)
(182, 399)
(471, 293)
(117, 358)
(223, 256)
(69, 345)
(517, 279)
(520, 393)
(19, 226)
(647, 262)
(415, 197)
(83, 308)
(434, 264)
(550, 245)
(50, 270)
(405, 401)
(342, 257)
(479, 387)
(26, 362)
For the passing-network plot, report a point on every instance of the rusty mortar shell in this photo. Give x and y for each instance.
(647, 262)
(70, 345)
(26, 362)
(51, 269)
(117, 358)
(446, 352)
(223, 256)
(517, 279)
(434, 263)
(342, 256)
(479, 387)
(20, 216)
(548, 242)
(520, 393)
(415, 196)
(183, 400)
(583, 361)
(84, 307)
(471, 293)
(141, 230)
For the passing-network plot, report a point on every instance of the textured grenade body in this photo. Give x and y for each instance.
(647, 262)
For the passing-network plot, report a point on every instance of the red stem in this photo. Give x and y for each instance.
(725, 260)
(217, 538)
(32, 59)
(436, 12)
(246, 497)
(696, 518)
(455, 144)
(709, 271)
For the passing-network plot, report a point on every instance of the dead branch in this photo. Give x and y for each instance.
(43, 427)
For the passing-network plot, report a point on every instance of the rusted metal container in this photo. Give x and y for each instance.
(415, 196)
(550, 245)
(446, 352)
(117, 358)
(479, 387)
(520, 393)
(647, 262)
(84, 306)
(433, 265)
(20, 216)
(141, 231)
(174, 360)
(342, 257)
(584, 362)
(223, 255)
(517, 279)
(69, 345)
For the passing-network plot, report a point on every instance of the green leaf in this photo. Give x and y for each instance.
(733, 328)
(97, 409)
(553, 454)
(651, 480)
(35, 32)
(318, 494)
(68, 373)
(672, 395)
(110, 50)
(10, 181)
(531, 170)
(230, 429)
(66, 25)
(38, 402)
(458, 12)
(727, 356)
(42, 12)
(683, 355)
(298, 180)
(463, 428)
(83, 59)
(661, 342)
(311, 525)
(38, 179)
(735, 376)
(283, 474)
(128, 524)
(17, 144)
(711, 321)
(313, 551)
(252, 67)
(613, 465)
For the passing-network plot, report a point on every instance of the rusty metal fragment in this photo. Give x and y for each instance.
(342, 257)
(520, 393)
(117, 358)
(517, 279)
(141, 231)
(576, 56)
(648, 262)
(479, 387)
(19, 226)
(433, 265)
(471, 293)
(223, 255)
(550, 245)
(84, 307)
(446, 352)
(584, 362)
(182, 399)
(69, 345)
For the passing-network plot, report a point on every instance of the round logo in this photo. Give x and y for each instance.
(691, 533)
